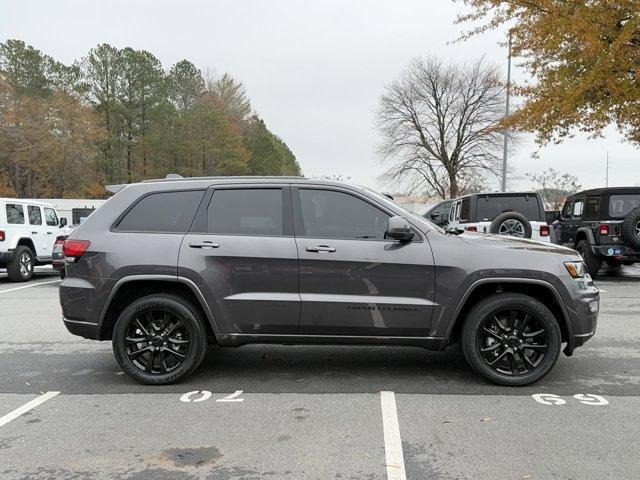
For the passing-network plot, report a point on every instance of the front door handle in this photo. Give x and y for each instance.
(321, 249)
(204, 245)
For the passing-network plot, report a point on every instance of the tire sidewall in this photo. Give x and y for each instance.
(592, 262)
(628, 228)
(197, 334)
(490, 305)
(13, 269)
(503, 217)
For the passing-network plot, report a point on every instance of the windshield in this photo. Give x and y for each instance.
(386, 201)
(620, 205)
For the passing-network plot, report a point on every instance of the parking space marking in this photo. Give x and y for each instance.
(232, 397)
(187, 397)
(392, 440)
(29, 286)
(26, 407)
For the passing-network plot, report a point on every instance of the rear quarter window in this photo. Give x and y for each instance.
(15, 213)
(168, 212)
(620, 205)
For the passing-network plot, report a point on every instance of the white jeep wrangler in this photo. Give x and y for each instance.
(28, 230)
(515, 214)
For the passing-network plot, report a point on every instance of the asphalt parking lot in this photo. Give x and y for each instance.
(304, 412)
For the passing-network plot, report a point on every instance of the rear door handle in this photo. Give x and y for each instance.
(204, 245)
(321, 249)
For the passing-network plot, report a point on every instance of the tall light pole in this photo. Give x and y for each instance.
(506, 114)
(607, 176)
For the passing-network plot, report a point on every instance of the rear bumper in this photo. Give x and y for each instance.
(82, 329)
(617, 252)
(5, 258)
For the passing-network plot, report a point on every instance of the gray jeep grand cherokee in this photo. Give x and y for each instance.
(166, 267)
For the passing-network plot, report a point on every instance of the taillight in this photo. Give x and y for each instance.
(59, 241)
(1, 236)
(603, 229)
(472, 228)
(74, 249)
(545, 231)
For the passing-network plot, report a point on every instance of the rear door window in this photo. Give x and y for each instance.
(170, 212)
(578, 206)
(246, 212)
(35, 215)
(15, 214)
(464, 210)
(592, 208)
(489, 207)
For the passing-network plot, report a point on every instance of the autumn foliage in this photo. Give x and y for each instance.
(583, 57)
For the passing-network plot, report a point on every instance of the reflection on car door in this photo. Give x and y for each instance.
(242, 255)
(353, 281)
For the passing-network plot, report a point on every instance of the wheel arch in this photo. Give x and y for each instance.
(584, 233)
(26, 242)
(539, 289)
(139, 286)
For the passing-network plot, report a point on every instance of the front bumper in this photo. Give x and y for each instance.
(583, 311)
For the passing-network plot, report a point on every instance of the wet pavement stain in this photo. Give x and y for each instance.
(192, 457)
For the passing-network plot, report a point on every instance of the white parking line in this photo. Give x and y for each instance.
(392, 440)
(26, 407)
(29, 286)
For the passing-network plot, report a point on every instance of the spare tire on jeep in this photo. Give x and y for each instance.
(511, 223)
(631, 228)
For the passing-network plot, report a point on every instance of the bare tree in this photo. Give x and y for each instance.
(554, 186)
(440, 126)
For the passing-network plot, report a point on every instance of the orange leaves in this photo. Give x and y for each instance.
(583, 58)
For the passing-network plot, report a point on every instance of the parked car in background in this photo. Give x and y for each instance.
(28, 231)
(603, 224)
(166, 267)
(58, 262)
(517, 214)
(438, 213)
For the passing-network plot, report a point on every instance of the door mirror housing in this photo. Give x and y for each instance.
(399, 229)
(63, 222)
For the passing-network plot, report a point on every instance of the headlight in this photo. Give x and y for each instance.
(576, 269)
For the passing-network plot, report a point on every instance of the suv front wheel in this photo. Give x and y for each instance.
(159, 339)
(511, 339)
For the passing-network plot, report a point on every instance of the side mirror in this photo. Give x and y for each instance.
(63, 222)
(435, 216)
(399, 229)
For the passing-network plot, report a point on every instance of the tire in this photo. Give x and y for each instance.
(20, 268)
(505, 222)
(631, 228)
(190, 339)
(592, 262)
(534, 316)
(63, 273)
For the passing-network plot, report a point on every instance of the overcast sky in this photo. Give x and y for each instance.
(313, 70)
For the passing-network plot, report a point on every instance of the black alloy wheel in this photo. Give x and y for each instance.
(513, 341)
(157, 341)
(160, 339)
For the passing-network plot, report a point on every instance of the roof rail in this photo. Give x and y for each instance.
(174, 177)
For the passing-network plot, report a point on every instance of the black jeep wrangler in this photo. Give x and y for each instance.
(603, 224)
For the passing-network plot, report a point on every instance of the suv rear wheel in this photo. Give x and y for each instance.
(159, 339)
(511, 339)
(592, 262)
(20, 268)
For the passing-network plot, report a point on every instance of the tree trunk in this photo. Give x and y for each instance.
(453, 185)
